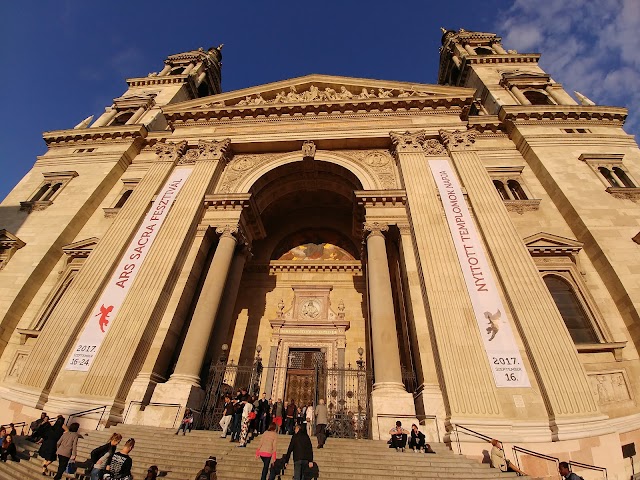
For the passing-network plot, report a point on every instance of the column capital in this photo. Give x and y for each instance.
(214, 150)
(229, 230)
(375, 229)
(169, 151)
(404, 228)
(408, 141)
(458, 140)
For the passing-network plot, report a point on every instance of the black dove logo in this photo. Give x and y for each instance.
(494, 326)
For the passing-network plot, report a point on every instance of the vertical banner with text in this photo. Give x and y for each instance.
(497, 336)
(112, 298)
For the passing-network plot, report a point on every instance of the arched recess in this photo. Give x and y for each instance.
(366, 179)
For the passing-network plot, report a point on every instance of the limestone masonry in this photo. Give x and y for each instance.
(465, 253)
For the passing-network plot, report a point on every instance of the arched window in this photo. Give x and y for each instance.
(536, 97)
(606, 173)
(122, 119)
(43, 189)
(624, 178)
(516, 190)
(52, 192)
(123, 199)
(573, 314)
(483, 51)
(501, 190)
(176, 70)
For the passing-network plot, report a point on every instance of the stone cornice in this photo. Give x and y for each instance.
(162, 80)
(281, 266)
(100, 134)
(381, 198)
(525, 114)
(351, 106)
(228, 201)
(511, 58)
(486, 123)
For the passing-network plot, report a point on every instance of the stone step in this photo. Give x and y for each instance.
(180, 458)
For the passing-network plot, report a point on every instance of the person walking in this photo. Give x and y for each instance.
(302, 450)
(101, 456)
(278, 412)
(247, 416)
(290, 417)
(267, 449)
(263, 413)
(67, 446)
(121, 463)
(310, 418)
(236, 422)
(322, 418)
(227, 415)
(50, 444)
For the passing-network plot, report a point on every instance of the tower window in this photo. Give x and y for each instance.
(483, 51)
(177, 70)
(123, 196)
(571, 310)
(536, 97)
(624, 178)
(123, 199)
(48, 190)
(510, 186)
(606, 174)
(516, 190)
(122, 119)
(613, 174)
(501, 190)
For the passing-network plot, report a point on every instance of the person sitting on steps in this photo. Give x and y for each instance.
(418, 441)
(499, 461)
(398, 437)
(187, 422)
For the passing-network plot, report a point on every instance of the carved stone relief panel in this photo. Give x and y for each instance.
(379, 162)
(610, 387)
(240, 167)
(17, 366)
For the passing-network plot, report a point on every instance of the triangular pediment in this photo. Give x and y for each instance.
(9, 240)
(81, 248)
(548, 243)
(322, 89)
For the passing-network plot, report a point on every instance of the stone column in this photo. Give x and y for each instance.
(520, 96)
(201, 78)
(550, 348)
(384, 339)
(105, 118)
(165, 70)
(187, 70)
(559, 95)
(389, 399)
(469, 49)
(271, 369)
(195, 344)
(498, 48)
(136, 116)
(67, 319)
(464, 368)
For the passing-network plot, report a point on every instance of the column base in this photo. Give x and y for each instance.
(167, 405)
(429, 401)
(185, 379)
(390, 402)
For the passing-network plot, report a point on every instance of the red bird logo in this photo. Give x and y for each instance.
(104, 314)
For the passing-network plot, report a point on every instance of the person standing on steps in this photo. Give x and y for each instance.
(227, 415)
(290, 419)
(566, 473)
(309, 419)
(247, 415)
(263, 413)
(50, 443)
(277, 412)
(322, 418)
(101, 456)
(67, 447)
(236, 421)
(267, 449)
(121, 463)
(302, 451)
(398, 437)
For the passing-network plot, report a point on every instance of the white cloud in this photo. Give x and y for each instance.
(592, 47)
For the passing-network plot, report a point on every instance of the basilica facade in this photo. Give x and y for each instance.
(458, 254)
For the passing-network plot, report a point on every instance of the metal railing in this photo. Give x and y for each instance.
(424, 418)
(16, 425)
(588, 467)
(516, 449)
(86, 412)
(156, 404)
(467, 431)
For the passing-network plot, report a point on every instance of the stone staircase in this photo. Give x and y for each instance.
(181, 457)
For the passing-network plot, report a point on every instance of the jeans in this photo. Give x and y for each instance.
(265, 468)
(299, 468)
(320, 434)
(289, 423)
(96, 474)
(62, 466)
(235, 427)
(183, 426)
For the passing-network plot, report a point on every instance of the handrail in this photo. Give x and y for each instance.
(84, 412)
(534, 454)
(19, 424)
(588, 467)
(156, 404)
(472, 433)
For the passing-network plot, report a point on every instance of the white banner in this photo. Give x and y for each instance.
(499, 343)
(112, 298)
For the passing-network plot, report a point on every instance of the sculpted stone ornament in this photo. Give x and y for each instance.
(308, 150)
(433, 146)
(458, 140)
(375, 228)
(408, 141)
(231, 231)
(215, 150)
(169, 152)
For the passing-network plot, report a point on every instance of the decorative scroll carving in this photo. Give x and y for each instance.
(35, 206)
(231, 231)
(458, 140)
(169, 152)
(408, 141)
(521, 206)
(308, 149)
(433, 146)
(375, 228)
(314, 94)
(610, 387)
(214, 150)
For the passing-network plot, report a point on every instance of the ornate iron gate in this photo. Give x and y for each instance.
(348, 393)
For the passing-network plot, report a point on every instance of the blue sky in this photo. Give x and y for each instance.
(66, 60)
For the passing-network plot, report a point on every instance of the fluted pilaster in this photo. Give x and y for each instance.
(550, 347)
(125, 347)
(468, 380)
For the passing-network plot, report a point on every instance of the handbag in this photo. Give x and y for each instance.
(71, 468)
(252, 415)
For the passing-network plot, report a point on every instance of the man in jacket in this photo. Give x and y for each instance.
(290, 419)
(563, 468)
(227, 413)
(302, 451)
(263, 413)
(321, 422)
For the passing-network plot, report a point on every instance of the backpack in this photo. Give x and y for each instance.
(311, 473)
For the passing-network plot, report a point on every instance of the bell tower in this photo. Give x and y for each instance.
(185, 76)
(501, 77)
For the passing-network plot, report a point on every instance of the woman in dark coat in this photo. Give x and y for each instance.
(50, 439)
